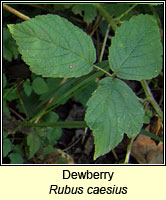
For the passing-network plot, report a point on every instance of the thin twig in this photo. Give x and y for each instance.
(104, 43)
(101, 69)
(156, 15)
(22, 104)
(115, 155)
(97, 22)
(128, 151)
(15, 12)
(44, 111)
(17, 114)
(84, 134)
(38, 6)
(72, 145)
(107, 16)
(151, 99)
(126, 12)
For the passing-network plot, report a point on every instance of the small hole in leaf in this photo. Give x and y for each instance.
(70, 66)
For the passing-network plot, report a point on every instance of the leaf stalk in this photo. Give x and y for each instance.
(106, 15)
(151, 99)
(104, 43)
(65, 124)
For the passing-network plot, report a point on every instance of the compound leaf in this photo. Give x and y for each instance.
(112, 111)
(136, 50)
(54, 47)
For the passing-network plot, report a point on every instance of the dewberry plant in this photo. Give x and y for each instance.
(53, 47)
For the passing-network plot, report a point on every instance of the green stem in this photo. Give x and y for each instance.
(156, 15)
(126, 12)
(99, 68)
(65, 124)
(106, 15)
(104, 43)
(151, 135)
(15, 12)
(128, 152)
(115, 155)
(62, 95)
(22, 104)
(151, 99)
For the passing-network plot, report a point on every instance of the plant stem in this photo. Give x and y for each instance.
(106, 15)
(156, 15)
(99, 68)
(126, 12)
(22, 104)
(96, 25)
(115, 155)
(151, 99)
(151, 135)
(71, 86)
(104, 43)
(65, 124)
(128, 152)
(44, 110)
(15, 12)
(17, 114)
(73, 144)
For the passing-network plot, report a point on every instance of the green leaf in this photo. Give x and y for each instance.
(30, 103)
(50, 117)
(54, 47)
(59, 7)
(5, 108)
(136, 50)
(39, 86)
(10, 49)
(53, 135)
(16, 158)
(112, 111)
(27, 87)
(85, 94)
(7, 147)
(34, 143)
(115, 9)
(87, 11)
(148, 115)
(18, 149)
(10, 94)
(47, 150)
(4, 134)
(52, 84)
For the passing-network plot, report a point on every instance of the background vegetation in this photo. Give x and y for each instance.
(43, 118)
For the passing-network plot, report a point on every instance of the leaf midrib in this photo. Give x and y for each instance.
(49, 42)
